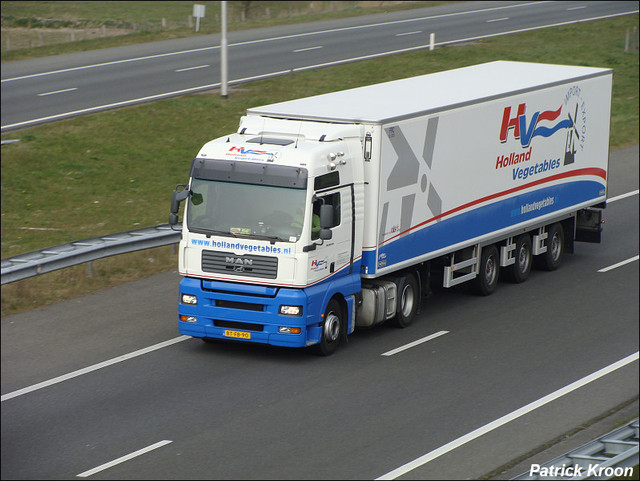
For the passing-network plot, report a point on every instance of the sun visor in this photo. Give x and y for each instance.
(249, 173)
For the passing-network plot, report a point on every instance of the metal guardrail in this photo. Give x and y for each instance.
(606, 457)
(78, 252)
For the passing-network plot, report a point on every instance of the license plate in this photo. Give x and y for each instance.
(238, 334)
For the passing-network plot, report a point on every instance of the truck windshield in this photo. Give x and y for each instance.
(247, 210)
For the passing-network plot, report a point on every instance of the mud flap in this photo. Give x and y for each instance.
(589, 226)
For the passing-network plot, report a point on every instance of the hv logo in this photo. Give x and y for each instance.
(570, 117)
(536, 126)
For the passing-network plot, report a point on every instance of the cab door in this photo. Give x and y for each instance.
(333, 256)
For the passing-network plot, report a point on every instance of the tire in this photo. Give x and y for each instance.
(489, 271)
(551, 260)
(333, 329)
(519, 271)
(409, 299)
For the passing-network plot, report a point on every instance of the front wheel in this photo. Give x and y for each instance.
(409, 299)
(332, 329)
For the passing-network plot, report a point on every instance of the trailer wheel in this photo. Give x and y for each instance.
(489, 270)
(332, 329)
(519, 271)
(551, 260)
(409, 299)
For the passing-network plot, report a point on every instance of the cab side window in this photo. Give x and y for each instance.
(332, 200)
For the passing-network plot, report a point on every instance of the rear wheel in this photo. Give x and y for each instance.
(487, 279)
(332, 329)
(519, 271)
(551, 260)
(409, 298)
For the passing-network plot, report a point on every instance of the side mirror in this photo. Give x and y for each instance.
(326, 222)
(177, 197)
(326, 216)
(325, 234)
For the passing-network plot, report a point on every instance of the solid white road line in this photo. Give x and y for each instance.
(422, 460)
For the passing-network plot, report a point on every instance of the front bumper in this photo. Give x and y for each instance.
(246, 312)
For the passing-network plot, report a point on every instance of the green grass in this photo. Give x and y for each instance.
(114, 171)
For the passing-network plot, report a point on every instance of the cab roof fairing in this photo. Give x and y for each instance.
(313, 155)
(311, 130)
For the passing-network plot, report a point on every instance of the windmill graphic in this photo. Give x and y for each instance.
(572, 136)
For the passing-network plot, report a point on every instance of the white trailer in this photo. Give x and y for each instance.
(447, 177)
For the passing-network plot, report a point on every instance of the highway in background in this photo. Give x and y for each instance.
(52, 88)
(104, 387)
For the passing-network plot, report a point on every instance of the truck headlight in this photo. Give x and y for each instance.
(291, 310)
(189, 299)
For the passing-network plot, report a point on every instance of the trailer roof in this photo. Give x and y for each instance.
(405, 98)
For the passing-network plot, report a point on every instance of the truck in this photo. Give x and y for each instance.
(344, 210)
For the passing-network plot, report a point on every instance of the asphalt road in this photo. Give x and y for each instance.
(47, 89)
(510, 373)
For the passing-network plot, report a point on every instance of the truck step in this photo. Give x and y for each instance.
(507, 257)
(452, 275)
(537, 243)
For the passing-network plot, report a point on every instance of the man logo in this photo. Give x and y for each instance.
(238, 263)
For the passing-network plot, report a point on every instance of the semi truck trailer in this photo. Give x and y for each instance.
(343, 210)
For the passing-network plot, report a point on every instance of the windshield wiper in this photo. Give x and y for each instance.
(271, 238)
(210, 232)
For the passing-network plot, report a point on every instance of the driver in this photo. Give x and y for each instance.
(298, 221)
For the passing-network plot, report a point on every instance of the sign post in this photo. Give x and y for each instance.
(223, 51)
(198, 12)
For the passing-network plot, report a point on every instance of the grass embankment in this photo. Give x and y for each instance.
(114, 171)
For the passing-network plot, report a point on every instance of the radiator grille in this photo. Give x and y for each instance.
(247, 265)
